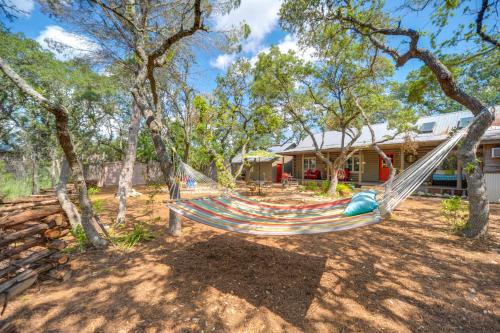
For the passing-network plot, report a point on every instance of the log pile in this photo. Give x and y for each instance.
(30, 242)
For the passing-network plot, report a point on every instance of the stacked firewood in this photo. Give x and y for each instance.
(30, 242)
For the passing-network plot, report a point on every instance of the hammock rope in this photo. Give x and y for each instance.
(233, 212)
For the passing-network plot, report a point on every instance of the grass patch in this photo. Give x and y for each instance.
(12, 187)
(81, 239)
(139, 234)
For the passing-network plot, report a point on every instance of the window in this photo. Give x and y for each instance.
(427, 127)
(309, 163)
(353, 163)
(464, 122)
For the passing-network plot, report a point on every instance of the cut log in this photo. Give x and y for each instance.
(28, 244)
(20, 287)
(57, 244)
(7, 327)
(58, 219)
(60, 258)
(61, 274)
(22, 263)
(9, 238)
(55, 233)
(33, 198)
(27, 274)
(30, 215)
(25, 205)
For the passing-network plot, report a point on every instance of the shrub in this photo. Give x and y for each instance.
(455, 212)
(138, 234)
(325, 185)
(93, 190)
(80, 237)
(311, 186)
(344, 189)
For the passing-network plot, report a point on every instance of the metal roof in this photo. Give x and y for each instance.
(273, 149)
(444, 124)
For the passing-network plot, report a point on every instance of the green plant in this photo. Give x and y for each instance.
(94, 190)
(311, 186)
(138, 234)
(98, 206)
(469, 167)
(325, 185)
(80, 237)
(344, 189)
(455, 212)
(12, 187)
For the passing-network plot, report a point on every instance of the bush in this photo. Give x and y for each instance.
(455, 212)
(80, 237)
(344, 189)
(311, 186)
(325, 185)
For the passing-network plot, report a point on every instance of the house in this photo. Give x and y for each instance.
(366, 167)
(269, 169)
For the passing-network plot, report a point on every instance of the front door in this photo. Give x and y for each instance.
(384, 171)
(279, 172)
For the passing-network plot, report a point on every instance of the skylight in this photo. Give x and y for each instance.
(427, 127)
(464, 122)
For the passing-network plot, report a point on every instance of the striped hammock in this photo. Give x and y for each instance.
(240, 214)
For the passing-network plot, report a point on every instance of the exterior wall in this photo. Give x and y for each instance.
(493, 186)
(491, 165)
(266, 171)
(109, 173)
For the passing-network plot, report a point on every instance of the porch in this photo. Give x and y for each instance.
(366, 168)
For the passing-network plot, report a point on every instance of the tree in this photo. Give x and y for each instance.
(320, 94)
(370, 23)
(64, 136)
(152, 34)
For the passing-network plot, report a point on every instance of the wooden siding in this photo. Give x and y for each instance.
(491, 165)
(493, 186)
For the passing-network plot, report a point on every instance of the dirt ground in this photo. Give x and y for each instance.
(407, 274)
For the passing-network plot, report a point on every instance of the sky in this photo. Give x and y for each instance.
(261, 15)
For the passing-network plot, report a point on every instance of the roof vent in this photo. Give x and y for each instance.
(427, 127)
(464, 122)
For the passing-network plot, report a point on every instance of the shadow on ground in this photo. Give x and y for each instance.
(408, 274)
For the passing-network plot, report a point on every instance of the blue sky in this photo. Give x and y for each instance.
(261, 15)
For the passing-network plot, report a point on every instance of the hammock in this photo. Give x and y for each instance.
(232, 212)
(235, 213)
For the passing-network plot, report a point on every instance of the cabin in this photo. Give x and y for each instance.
(266, 169)
(366, 167)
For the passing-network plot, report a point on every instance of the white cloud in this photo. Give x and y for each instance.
(286, 44)
(25, 6)
(223, 61)
(260, 15)
(73, 45)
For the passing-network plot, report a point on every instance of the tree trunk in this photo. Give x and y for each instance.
(64, 200)
(35, 179)
(125, 182)
(392, 174)
(476, 187)
(55, 168)
(332, 190)
(65, 141)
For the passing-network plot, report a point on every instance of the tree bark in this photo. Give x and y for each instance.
(125, 182)
(63, 198)
(55, 168)
(35, 179)
(65, 141)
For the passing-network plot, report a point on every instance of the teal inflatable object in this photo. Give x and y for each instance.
(362, 202)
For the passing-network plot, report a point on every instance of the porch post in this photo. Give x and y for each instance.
(361, 167)
(402, 159)
(327, 168)
(459, 174)
(302, 169)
